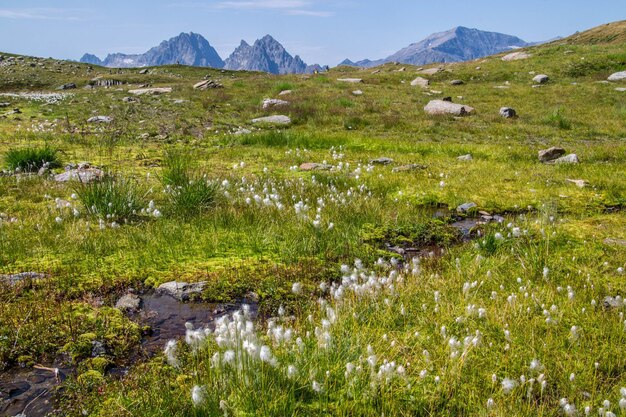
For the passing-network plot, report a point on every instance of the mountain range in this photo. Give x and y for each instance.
(455, 45)
(268, 55)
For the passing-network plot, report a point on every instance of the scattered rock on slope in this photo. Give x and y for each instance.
(515, 56)
(567, 159)
(541, 79)
(508, 112)
(547, 155)
(350, 80)
(181, 290)
(421, 82)
(273, 102)
(618, 76)
(151, 91)
(276, 120)
(439, 107)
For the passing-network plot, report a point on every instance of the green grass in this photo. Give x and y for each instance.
(31, 159)
(193, 201)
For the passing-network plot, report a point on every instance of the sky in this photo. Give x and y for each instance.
(320, 31)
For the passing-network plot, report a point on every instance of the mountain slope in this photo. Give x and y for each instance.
(187, 49)
(267, 55)
(455, 45)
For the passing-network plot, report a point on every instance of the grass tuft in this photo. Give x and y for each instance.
(32, 159)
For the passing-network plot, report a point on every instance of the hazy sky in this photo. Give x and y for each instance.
(320, 31)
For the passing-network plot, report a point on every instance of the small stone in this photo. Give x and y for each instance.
(612, 302)
(277, 120)
(579, 183)
(381, 161)
(508, 112)
(100, 119)
(421, 82)
(550, 154)
(273, 102)
(621, 89)
(567, 159)
(431, 71)
(464, 208)
(618, 76)
(97, 349)
(441, 107)
(128, 302)
(151, 91)
(612, 241)
(314, 166)
(456, 82)
(541, 79)
(467, 157)
(181, 291)
(206, 84)
(357, 93)
(407, 168)
(144, 71)
(13, 279)
(68, 86)
(284, 93)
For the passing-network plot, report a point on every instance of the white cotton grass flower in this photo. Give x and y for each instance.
(198, 396)
(535, 365)
(622, 404)
(296, 288)
(170, 350)
(490, 403)
(316, 386)
(292, 371)
(508, 385)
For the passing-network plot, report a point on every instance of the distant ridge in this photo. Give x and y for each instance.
(187, 49)
(455, 45)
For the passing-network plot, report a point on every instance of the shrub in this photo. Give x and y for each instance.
(32, 159)
(112, 198)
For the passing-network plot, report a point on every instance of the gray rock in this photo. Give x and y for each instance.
(285, 92)
(420, 82)
(151, 91)
(467, 157)
(13, 279)
(578, 183)
(456, 82)
(618, 76)
(620, 89)
(541, 79)
(206, 84)
(314, 166)
(464, 208)
(128, 302)
(144, 71)
(350, 80)
(407, 168)
(4, 105)
(181, 290)
(357, 93)
(612, 241)
(130, 100)
(68, 86)
(277, 120)
(381, 161)
(100, 119)
(567, 159)
(440, 107)
(508, 112)
(515, 56)
(274, 102)
(83, 175)
(546, 155)
(612, 302)
(97, 349)
(431, 71)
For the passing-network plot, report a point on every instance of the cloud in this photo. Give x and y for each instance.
(290, 7)
(40, 14)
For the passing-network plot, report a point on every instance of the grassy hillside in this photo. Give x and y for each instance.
(519, 317)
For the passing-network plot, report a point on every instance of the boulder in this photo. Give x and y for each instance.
(541, 78)
(567, 159)
(618, 76)
(151, 91)
(83, 175)
(273, 102)
(350, 80)
(467, 157)
(431, 71)
(68, 86)
(181, 291)
(128, 302)
(420, 82)
(508, 112)
(381, 161)
(144, 71)
(276, 120)
(465, 207)
(440, 107)
(515, 56)
(546, 155)
(100, 119)
(456, 82)
(206, 84)
(314, 166)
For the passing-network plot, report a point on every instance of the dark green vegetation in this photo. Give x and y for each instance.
(190, 196)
